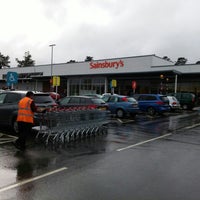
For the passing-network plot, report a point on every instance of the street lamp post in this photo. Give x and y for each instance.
(51, 82)
(161, 83)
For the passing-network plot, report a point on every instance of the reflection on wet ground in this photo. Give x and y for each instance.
(144, 127)
(16, 166)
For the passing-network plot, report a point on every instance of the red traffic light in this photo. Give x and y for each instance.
(134, 84)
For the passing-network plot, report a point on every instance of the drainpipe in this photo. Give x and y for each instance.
(175, 85)
(105, 85)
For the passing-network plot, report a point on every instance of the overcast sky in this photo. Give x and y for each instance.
(99, 28)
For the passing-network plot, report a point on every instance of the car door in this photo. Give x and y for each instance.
(112, 103)
(148, 101)
(142, 102)
(8, 107)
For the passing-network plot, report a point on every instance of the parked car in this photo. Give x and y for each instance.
(121, 105)
(187, 100)
(54, 95)
(83, 101)
(9, 106)
(174, 103)
(93, 95)
(153, 103)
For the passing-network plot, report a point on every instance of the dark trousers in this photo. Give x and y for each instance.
(24, 130)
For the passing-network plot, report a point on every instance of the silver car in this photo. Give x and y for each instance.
(174, 103)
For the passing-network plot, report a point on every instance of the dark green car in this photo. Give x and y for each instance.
(187, 100)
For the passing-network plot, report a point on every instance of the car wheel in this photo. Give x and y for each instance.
(120, 113)
(151, 111)
(15, 126)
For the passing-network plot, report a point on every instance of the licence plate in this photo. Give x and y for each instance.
(135, 105)
(102, 108)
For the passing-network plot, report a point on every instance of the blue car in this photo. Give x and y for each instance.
(121, 105)
(153, 103)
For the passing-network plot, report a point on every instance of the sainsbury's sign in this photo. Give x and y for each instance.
(107, 64)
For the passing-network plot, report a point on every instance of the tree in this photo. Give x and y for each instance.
(26, 62)
(198, 62)
(181, 61)
(71, 61)
(88, 58)
(166, 58)
(4, 61)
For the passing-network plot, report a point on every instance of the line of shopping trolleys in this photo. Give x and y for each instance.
(64, 125)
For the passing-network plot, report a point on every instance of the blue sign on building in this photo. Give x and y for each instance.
(11, 78)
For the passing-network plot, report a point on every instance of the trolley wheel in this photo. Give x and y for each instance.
(120, 113)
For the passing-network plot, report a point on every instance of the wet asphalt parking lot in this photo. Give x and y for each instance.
(147, 158)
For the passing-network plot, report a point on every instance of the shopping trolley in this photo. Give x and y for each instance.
(64, 125)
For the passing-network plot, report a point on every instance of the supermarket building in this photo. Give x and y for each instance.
(149, 73)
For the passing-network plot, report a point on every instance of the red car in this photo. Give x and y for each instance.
(83, 101)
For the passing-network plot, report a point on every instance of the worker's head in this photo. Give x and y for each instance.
(29, 94)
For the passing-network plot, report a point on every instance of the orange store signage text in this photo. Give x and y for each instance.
(106, 64)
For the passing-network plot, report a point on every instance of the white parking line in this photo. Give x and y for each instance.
(10, 136)
(125, 122)
(193, 126)
(7, 141)
(143, 142)
(31, 180)
(5, 138)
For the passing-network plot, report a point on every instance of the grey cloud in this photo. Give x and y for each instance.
(131, 27)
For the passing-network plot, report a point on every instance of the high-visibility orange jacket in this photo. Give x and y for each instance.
(25, 114)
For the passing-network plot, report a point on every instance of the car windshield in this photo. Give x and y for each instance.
(164, 98)
(64, 101)
(98, 101)
(174, 98)
(105, 98)
(93, 95)
(43, 99)
(131, 100)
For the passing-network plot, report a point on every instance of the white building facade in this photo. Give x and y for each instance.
(151, 73)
